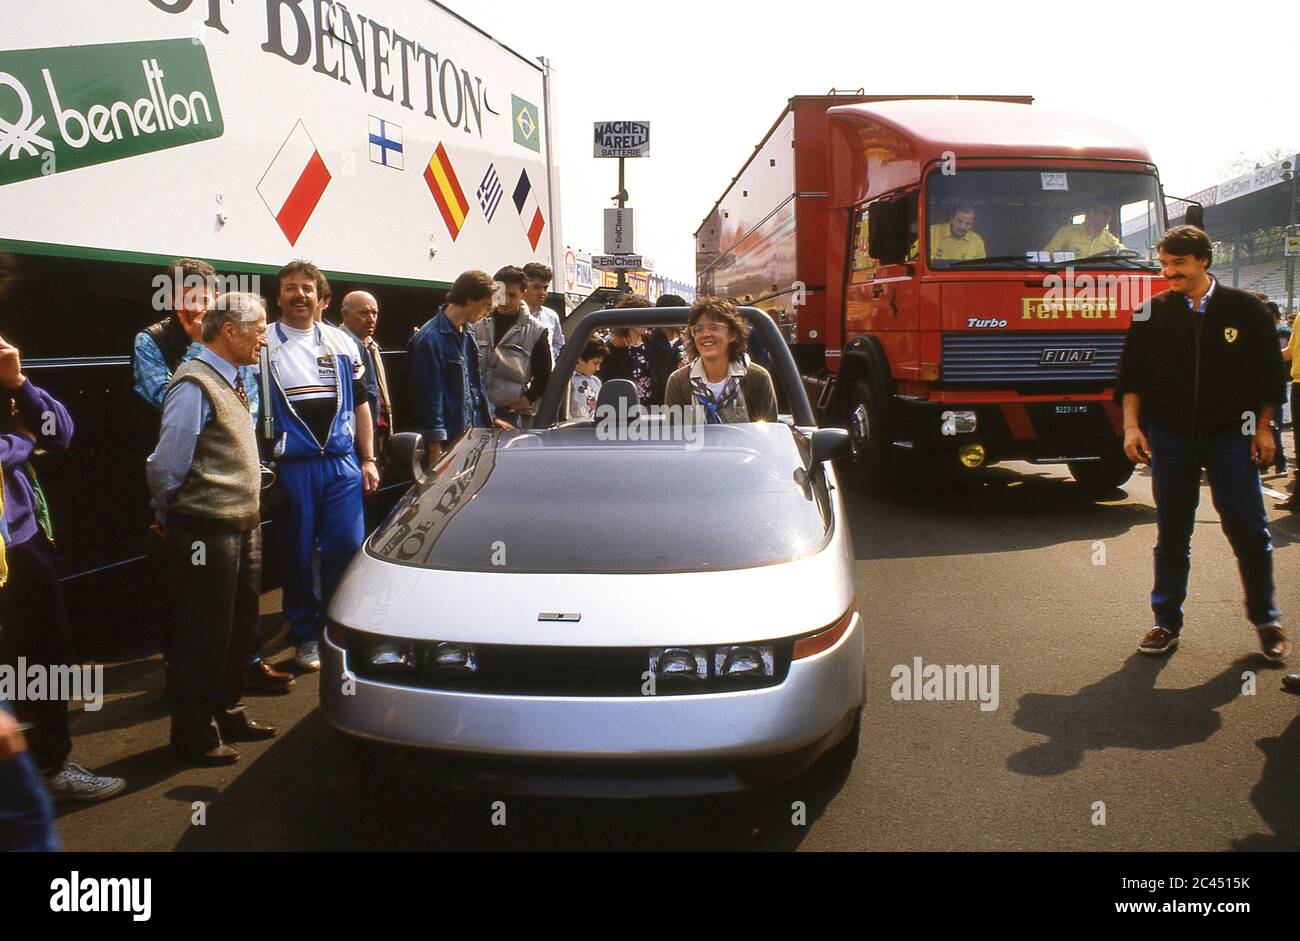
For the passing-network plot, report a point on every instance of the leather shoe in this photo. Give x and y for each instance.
(1158, 640)
(1273, 642)
(263, 678)
(236, 726)
(221, 755)
(1291, 682)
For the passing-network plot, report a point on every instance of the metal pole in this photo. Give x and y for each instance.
(1290, 262)
(622, 203)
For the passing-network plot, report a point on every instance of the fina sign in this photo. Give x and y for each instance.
(622, 139)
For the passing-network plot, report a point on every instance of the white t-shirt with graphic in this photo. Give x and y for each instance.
(583, 393)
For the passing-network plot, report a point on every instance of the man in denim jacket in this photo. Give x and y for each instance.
(447, 393)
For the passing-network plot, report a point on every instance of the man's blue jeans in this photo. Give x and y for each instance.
(1176, 464)
(26, 818)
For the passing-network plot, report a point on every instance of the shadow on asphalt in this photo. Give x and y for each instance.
(1274, 796)
(307, 793)
(995, 510)
(1125, 710)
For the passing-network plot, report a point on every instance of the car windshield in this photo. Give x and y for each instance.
(1030, 218)
(565, 501)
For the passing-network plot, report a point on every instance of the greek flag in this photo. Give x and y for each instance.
(489, 192)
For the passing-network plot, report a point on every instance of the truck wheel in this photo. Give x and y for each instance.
(1101, 478)
(873, 459)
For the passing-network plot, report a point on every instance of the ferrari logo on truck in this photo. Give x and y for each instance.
(67, 108)
(1230, 334)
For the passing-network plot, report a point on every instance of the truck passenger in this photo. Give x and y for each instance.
(1090, 237)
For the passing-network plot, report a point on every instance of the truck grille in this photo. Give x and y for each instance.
(997, 358)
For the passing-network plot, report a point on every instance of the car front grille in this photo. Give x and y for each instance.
(1030, 358)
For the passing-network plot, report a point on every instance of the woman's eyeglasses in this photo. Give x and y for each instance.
(700, 329)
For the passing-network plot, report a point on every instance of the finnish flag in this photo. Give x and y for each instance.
(386, 144)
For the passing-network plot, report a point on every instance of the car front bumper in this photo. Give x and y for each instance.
(636, 746)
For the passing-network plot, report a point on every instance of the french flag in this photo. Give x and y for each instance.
(530, 214)
(294, 183)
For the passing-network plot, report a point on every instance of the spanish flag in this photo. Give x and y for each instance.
(446, 191)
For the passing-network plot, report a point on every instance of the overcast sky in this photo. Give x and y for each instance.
(1199, 87)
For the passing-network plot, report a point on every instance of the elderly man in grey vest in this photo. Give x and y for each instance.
(205, 478)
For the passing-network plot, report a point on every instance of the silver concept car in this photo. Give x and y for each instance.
(590, 607)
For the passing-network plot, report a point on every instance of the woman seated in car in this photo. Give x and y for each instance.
(721, 382)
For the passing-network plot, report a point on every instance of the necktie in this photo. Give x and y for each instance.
(240, 389)
(385, 403)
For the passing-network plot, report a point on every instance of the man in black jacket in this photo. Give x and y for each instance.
(1200, 383)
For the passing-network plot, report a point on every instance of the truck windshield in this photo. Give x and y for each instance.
(980, 218)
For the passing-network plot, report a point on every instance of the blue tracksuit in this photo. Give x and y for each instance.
(323, 486)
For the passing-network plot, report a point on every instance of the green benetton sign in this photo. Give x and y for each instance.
(66, 108)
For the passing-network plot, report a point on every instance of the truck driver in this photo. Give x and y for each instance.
(954, 240)
(1090, 237)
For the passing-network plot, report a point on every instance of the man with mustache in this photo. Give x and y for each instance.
(1200, 381)
(324, 451)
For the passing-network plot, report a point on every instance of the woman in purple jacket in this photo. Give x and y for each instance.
(33, 619)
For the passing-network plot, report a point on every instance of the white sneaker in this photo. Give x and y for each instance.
(73, 782)
(308, 656)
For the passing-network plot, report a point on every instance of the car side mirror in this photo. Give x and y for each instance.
(407, 453)
(828, 444)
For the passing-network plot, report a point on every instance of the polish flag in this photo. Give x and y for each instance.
(530, 214)
(294, 183)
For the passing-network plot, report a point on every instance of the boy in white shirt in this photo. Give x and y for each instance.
(584, 387)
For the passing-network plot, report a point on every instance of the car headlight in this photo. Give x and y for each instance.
(452, 658)
(670, 663)
(743, 660)
(389, 656)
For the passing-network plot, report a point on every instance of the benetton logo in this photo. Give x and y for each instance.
(82, 106)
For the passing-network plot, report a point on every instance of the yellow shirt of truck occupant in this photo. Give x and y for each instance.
(1073, 238)
(944, 246)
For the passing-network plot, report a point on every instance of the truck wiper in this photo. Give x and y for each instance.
(1020, 259)
(1130, 259)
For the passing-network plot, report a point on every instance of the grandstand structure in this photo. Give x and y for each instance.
(1247, 218)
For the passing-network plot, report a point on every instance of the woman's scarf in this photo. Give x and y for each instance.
(704, 396)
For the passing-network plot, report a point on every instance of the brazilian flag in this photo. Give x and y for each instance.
(527, 125)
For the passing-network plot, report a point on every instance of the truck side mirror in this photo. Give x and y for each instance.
(1195, 216)
(407, 453)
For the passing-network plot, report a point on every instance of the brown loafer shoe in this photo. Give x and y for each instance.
(264, 678)
(236, 726)
(1158, 640)
(221, 755)
(1273, 642)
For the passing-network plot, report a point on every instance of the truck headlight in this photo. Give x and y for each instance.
(958, 423)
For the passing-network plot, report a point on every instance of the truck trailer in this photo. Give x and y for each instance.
(390, 142)
(954, 274)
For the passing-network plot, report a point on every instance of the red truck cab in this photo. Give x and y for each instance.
(956, 276)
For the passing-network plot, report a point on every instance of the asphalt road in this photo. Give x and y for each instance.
(1001, 572)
